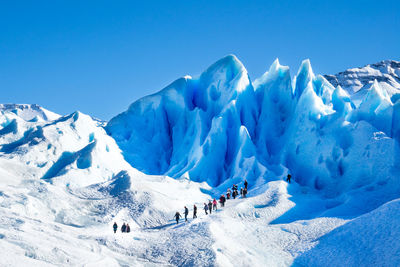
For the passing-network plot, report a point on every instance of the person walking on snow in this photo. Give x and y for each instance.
(209, 206)
(234, 194)
(205, 208)
(194, 211)
(123, 228)
(115, 227)
(128, 228)
(234, 187)
(245, 183)
(215, 204)
(177, 217)
(288, 178)
(244, 192)
(186, 213)
(241, 191)
(222, 200)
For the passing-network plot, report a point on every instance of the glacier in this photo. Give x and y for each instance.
(65, 179)
(221, 128)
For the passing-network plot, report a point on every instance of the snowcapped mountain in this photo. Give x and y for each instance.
(64, 180)
(357, 81)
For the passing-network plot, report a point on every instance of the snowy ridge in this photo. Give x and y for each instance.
(29, 112)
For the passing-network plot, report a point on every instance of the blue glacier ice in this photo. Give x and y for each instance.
(221, 128)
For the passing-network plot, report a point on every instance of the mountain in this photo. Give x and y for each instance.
(357, 81)
(64, 180)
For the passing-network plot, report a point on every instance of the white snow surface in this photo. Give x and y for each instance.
(64, 180)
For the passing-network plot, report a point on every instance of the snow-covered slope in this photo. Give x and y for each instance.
(63, 183)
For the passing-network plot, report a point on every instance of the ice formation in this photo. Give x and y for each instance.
(222, 128)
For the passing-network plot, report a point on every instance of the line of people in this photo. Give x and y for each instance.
(212, 205)
(208, 208)
(125, 228)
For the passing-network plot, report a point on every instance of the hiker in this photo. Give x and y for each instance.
(186, 213)
(115, 227)
(234, 187)
(205, 208)
(209, 206)
(288, 178)
(244, 192)
(222, 200)
(128, 228)
(245, 183)
(123, 228)
(177, 216)
(241, 191)
(194, 211)
(215, 204)
(228, 194)
(234, 194)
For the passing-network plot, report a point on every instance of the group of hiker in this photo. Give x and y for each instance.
(212, 205)
(234, 193)
(125, 228)
(208, 207)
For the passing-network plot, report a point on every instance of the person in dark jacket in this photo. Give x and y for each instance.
(194, 211)
(222, 200)
(186, 213)
(235, 194)
(245, 183)
(241, 191)
(209, 206)
(244, 192)
(205, 208)
(128, 228)
(123, 228)
(288, 178)
(115, 227)
(177, 217)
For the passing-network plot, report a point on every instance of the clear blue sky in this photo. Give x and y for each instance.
(100, 56)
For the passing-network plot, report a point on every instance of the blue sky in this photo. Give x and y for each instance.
(100, 56)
